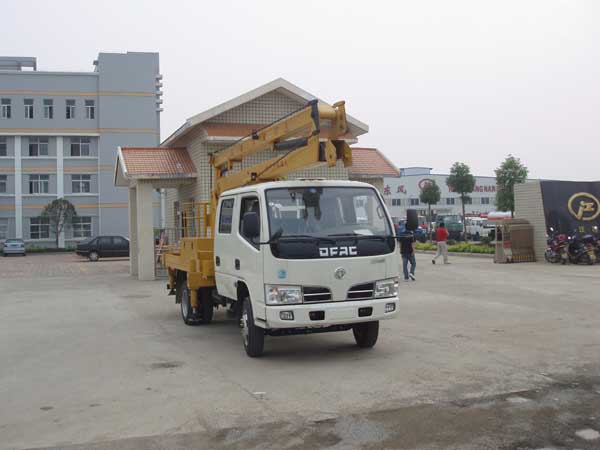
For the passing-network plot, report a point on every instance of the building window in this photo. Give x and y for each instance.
(3, 146)
(48, 108)
(82, 227)
(39, 184)
(226, 216)
(70, 112)
(396, 202)
(468, 201)
(3, 179)
(81, 184)
(28, 102)
(80, 146)
(38, 146)
(3, 229)
(485, 200)
(39, 228)
(414, 202)
(450, 201)
(90, 109)
(5, 108)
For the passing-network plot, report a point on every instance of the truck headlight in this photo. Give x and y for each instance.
(283, 295)
(386, 288)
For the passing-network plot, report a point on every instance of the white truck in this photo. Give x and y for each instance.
(289, 257)
(299, 259)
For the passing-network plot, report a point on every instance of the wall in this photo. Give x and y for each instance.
(529, 206)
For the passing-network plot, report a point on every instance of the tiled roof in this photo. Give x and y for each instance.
(239, 130)
(156, 162)
(370, 161)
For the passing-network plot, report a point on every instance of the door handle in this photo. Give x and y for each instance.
(217, 261)
(237, 264)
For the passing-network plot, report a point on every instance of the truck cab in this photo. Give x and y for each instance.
(306, 256)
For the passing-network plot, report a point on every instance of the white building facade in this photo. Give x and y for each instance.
(402, 193)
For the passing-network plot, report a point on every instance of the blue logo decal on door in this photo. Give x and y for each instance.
(282, 274)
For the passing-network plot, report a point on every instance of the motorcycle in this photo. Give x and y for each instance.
(557, 251)
(581, 251)
(592, 248)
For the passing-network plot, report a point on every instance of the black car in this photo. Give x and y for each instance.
(104, 247)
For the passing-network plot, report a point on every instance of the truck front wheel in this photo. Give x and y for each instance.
(366, 334)
(253, 336)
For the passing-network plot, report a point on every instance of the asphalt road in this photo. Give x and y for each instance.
(482, 356)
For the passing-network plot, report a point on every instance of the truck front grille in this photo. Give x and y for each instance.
(361, 291)
(316, 294)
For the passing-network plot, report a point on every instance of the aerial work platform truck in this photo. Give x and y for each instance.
(288, 256)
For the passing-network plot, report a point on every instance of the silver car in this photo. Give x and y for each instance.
(13, 247)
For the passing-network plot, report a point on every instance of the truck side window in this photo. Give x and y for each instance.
(226, 216)
(249, 204)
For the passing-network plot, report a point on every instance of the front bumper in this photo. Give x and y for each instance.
(334, 313)
(13, 251)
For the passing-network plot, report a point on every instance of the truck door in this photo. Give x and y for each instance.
(224, 251)
(248, 259)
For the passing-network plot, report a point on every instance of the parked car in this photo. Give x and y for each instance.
(103, 247)
(14, 247)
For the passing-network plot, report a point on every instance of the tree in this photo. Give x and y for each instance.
(430, 194)
(59, 213)
(462, 182)
(510, 172)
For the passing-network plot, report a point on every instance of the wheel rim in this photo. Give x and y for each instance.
(244, 327)
(185, 303)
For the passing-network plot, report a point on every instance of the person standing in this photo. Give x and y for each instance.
(407, 250)
(441, 235)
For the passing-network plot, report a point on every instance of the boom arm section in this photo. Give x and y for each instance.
(298, 135)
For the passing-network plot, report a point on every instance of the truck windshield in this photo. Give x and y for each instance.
(305, 220)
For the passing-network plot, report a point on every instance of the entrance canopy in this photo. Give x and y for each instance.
(144, 170)
(163, 167)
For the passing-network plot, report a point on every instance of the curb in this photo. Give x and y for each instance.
(472, 255)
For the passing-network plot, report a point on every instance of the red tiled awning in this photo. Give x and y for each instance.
(371, 162)
(134, 163)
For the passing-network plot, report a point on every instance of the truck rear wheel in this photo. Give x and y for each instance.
(206, 306)
(366, 334)
(253, 336)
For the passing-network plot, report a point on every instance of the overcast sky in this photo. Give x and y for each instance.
(437, 81)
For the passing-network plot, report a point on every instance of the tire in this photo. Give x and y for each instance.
(186, 307)
(366, 334)
(93, 256)
(206, 306)
(253, 337)
(585, 259)
(477, 237)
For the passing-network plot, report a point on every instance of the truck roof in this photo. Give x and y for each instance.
(261, 187)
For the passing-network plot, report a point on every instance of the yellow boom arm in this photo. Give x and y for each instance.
(297, 136)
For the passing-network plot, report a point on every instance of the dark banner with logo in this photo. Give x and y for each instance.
(571, 206)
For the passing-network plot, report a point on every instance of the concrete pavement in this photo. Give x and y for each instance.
(100, 357)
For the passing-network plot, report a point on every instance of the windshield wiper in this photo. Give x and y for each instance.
(278, 236)
(301, 237)
(361, 236)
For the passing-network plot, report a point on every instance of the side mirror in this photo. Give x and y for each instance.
(251, 225)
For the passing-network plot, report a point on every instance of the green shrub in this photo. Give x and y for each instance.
(461, 247)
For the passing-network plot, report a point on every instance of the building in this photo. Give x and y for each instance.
(402, 193)
(201, 135)
(59, 134)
